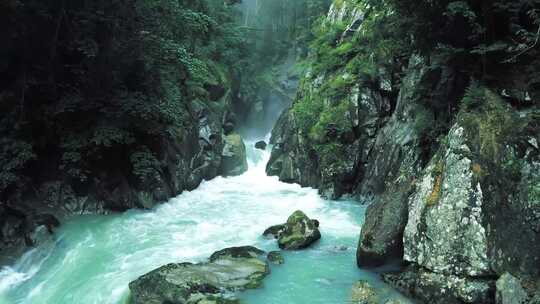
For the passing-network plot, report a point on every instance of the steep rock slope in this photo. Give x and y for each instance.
(447, 163)
(322, 153)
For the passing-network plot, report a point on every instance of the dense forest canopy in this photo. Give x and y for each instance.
(95, 86)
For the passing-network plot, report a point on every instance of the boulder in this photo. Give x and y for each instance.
(509, 290)
(431, 287)
(231, 269)
(298, 232)
(247, 252)
(444, 232)
(274, 231)
(261, 145)
(363, 293)
(234, 160)
(275, 257)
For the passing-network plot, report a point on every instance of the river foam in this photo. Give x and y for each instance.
(94, 258)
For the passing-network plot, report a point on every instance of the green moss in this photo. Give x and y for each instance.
(339, 86)
(335, 116)
(330, 154)
(489, 122)
(306, 112)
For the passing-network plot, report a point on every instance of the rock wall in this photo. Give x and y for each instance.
(208, 147)
(449, 170)
(310, 160)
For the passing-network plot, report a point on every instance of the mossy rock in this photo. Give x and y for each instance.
(274, 231)
(298, 232)
(275, 257)
(229, 270)
(234, 159)
(237, 252)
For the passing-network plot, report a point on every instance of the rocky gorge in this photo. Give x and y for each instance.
(406, 162)
(448, 167)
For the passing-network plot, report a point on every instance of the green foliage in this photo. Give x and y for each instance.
(334, 116)
(306, 112)
(330, 154)
(145, 165)
(491, 124)
(85, 83)
(338, 87)
(14, 155)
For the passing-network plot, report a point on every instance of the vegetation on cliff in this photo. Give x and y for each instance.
(427, 110)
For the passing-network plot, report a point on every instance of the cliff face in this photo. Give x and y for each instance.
(447, 164)
(327, 154)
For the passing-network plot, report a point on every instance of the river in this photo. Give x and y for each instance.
(93, 258)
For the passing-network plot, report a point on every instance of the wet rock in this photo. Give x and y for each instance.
(382, 233)
(390, 170)
(275, 257)
(509, 290)
(364, 293)
(40, 235)
(397, 301)
(433, 287)
(340, 248)
(261, 145)
(234, 160)
(298, 233)
(247, 252)
(274, 231)
(231, 269)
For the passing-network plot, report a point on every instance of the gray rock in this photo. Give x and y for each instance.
(444, 232)
(433, 287)
(229, 270)
(382, 232)
(392, 166)
(509, 290)
(298, 233)
(234, 159)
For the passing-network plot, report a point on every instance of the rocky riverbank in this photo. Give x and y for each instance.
(208, 149)
(449, 166)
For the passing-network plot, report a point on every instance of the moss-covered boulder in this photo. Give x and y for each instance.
(298, 232)
(234, 160)
(229, 270)
(275, 257)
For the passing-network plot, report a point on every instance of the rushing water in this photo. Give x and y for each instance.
(93, 258)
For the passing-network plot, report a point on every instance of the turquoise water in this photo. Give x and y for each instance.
(93, 258)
